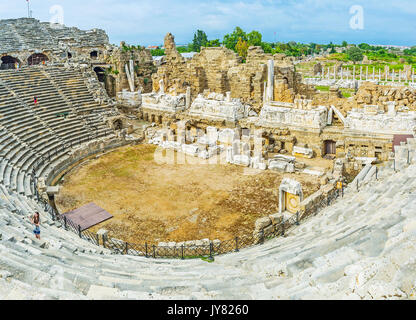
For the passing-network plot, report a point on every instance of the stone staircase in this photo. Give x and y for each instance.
(31, 34)
(37, 138)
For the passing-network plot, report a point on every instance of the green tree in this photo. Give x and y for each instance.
(344, 44)
(200, 40)
(254, 38)
(157, 52)
(185, 49)
(267, 48)
(213, 43)
(364, 46)
(355, 54)
(230, 40)
(242, 48)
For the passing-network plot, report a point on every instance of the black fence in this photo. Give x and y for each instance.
(150, 250)
(183, 251)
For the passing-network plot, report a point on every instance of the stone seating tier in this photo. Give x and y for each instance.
(362, 252)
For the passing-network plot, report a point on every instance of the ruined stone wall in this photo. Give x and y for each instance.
(370, 93)
(143, 68)
(220, 70)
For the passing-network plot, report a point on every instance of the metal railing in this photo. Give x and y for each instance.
(208, 250)
(149, 249)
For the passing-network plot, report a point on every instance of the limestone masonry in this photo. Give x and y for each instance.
(353, 237)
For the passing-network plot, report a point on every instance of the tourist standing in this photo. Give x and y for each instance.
(36, 221)
(35, 100)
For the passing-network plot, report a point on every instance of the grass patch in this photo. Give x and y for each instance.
(322, 88)
(347, 93)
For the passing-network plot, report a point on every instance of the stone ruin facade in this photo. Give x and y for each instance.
(141, 73)
(221, 70)
(28, 41)
(265, 95)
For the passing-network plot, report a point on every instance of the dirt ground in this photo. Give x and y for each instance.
(173, 202)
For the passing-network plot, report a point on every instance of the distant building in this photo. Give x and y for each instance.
(391, 46)
(153, 47)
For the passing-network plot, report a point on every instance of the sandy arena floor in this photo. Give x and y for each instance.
(160, 202)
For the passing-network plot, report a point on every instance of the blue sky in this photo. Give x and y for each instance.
(146, 22)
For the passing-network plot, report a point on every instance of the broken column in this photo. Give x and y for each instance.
(188, 97)
(161, 87)
(270, 80)
(391, 108)
(131, 83)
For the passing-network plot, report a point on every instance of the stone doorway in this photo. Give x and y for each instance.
(330, 147)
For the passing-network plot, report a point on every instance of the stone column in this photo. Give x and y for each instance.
(281, 197)
(265, 92)
(335, 72)
(400, 76)
(270, 80)
(188, 97)
(342, 71)
(329, 73)
(131, 84)
(379, 75)
(161, 87)
(391, 107)
(366, 74)
(228, 96)
(229, 155)
(374, 78)
(353, 73)
(132, 73)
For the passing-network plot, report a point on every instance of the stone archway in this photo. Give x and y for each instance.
(37, 58)
(8, 62)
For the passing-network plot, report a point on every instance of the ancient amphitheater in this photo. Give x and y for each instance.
(351, 243)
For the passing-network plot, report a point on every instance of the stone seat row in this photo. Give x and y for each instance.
(31, 133)
(366, 255)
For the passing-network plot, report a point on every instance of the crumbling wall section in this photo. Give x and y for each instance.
(221, 70)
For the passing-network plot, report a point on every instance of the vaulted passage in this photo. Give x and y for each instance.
(100, 73)
(37, 58)
(8, 62)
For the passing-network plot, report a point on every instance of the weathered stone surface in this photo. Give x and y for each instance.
(262, 223)
(221, 70)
